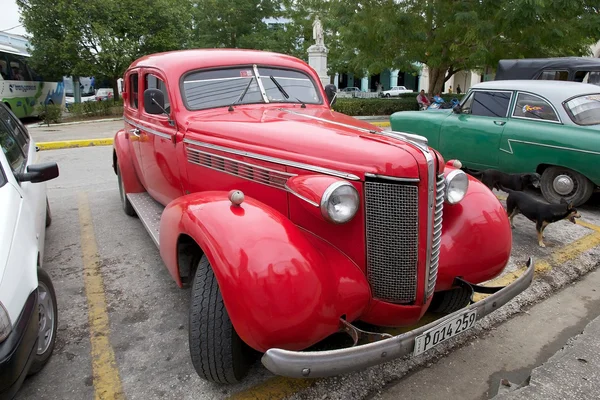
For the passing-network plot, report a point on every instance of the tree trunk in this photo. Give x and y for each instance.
(437, 78)
(115, 85)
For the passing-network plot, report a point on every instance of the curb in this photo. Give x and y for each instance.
(380, 124)
(69, 144)
(37, 125)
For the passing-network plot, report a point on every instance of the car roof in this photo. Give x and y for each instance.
(180, 61)
(555, 91)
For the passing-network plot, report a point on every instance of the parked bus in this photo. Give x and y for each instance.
(21, 88)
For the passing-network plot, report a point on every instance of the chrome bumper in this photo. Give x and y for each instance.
(318, 364)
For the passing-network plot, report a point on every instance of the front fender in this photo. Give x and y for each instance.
(476, 237)
(282, 287)
(423, 123)
(123, 156)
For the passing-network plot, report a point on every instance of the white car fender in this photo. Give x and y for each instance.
(22, 237)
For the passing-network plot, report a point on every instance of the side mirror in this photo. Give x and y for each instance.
(39, 173)
(331, 92)
(457, 109)
(154, 101)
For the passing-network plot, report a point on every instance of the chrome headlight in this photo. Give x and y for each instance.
(5, 325)
(340, 202)
(457, 184)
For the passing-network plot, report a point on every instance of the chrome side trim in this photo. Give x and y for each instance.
(275, 160)
(393, 178)
(149, 130)
(298, 195)
(406, 137)
(238, 168)
(319, 364)
(510, 150)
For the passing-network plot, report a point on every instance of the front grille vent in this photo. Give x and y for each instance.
(436, 240)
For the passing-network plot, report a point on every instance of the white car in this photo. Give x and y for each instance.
(395, 91)
(28, 312)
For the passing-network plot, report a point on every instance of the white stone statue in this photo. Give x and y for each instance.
(318, 32)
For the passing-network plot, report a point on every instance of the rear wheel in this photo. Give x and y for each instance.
(448, 301)
(48, 323)
(562, 183)
(127, 207)
(387, 95)
(218, 353)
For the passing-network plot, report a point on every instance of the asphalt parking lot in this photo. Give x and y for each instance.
(123, 323)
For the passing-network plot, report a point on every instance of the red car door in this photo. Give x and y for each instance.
(131, 116)
(158, 142)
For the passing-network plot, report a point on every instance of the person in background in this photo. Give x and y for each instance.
(438, 98)
(458, 89)
(422, 99)
(450, 89)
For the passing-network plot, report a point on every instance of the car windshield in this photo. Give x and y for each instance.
(584, 110)
(224, 87)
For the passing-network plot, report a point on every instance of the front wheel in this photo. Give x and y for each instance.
(559, 183)
(448, 301)
(387, 95)
(48, 323)
(218, 353)
(127, 207)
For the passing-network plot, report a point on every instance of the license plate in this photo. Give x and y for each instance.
(445, 331)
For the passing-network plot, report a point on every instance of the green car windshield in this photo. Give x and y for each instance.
(584, 110)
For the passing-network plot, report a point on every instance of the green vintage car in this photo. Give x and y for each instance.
(548, 127)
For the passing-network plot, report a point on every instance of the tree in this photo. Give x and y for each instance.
(101, 38)
(453, 35)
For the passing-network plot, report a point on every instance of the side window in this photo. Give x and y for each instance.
(11, 148)
(490, 104)
(133, 90)
(154, 82)
(2, 177)
(15, 127)
(533, 107)
(17, 69)
(554, 76)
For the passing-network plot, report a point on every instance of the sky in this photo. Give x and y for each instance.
(9, 17)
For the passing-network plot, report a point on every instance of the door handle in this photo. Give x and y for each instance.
(500, 122)
(135, 131)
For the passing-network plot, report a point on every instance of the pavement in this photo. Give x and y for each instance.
(123, 322)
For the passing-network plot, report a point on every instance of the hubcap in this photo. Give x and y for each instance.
(46, 319)
(563, 184)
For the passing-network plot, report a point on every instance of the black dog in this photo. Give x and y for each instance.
(542, 214)
(493, 179)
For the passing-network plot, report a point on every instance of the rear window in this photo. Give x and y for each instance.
(584, 110)
(241, 85)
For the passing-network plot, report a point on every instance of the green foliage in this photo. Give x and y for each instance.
(101, 37)
(50, 113)
(97, 109)
(406, 102)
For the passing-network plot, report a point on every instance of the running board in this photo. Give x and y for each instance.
(149, 212)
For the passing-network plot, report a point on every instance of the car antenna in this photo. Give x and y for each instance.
(241, 95)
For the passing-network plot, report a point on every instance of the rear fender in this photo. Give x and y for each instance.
(123, 155)
(282, 287)
(476, 237)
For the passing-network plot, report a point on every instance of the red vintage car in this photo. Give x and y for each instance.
(289, 221)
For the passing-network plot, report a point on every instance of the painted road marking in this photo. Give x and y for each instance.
(275, 388)
(68, 144)
(107, 383)
(381, 124)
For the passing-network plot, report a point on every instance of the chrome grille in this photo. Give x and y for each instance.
(237, 168)
(392, 224)
(436, 241)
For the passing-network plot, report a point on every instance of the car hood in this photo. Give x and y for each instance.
(316, 136)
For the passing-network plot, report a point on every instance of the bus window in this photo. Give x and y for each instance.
(18, 70)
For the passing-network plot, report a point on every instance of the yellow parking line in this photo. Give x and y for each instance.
(107, 383)
(275, 388)
(67, 144)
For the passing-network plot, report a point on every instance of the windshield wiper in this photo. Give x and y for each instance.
(241, 97)
(284, 93)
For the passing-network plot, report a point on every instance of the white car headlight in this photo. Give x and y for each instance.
(457, 184)
(5, 325)
(340, 202)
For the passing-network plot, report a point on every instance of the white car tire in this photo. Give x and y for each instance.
(48, 322)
